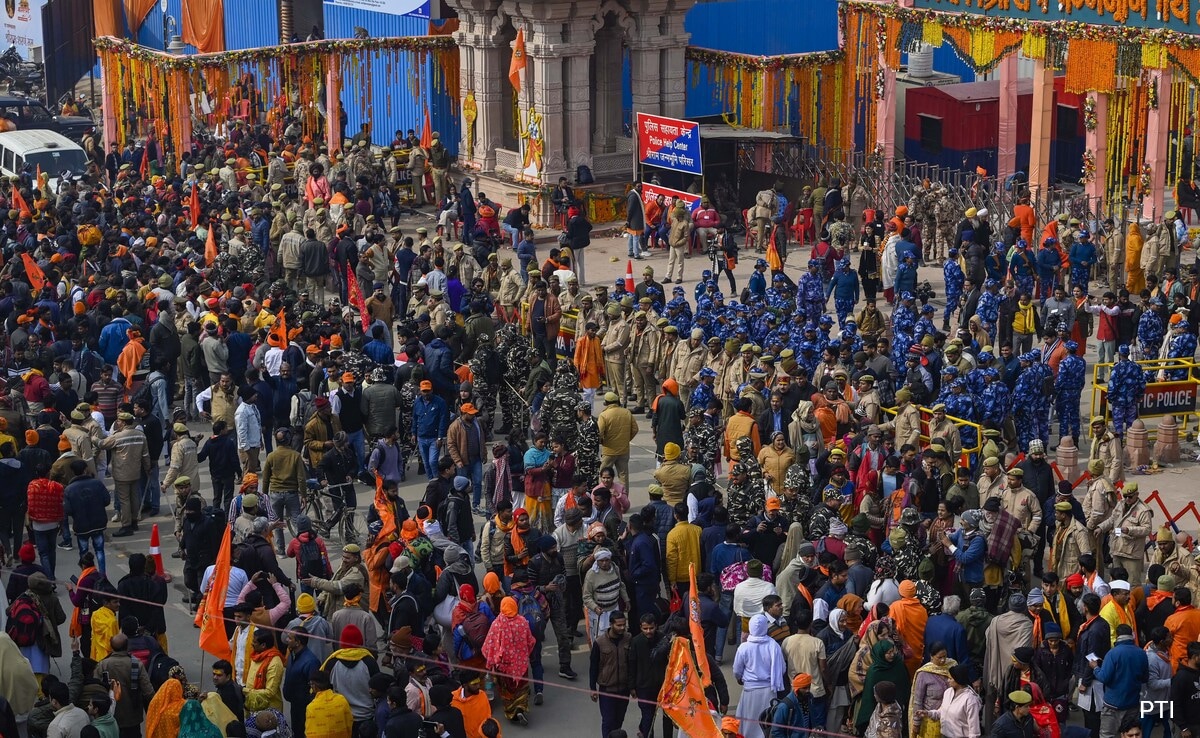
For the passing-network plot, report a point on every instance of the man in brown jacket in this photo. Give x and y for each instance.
(613, 343)
(136, 689)
(641, 352)
(545, 314)
(689, 359)
(130, 460)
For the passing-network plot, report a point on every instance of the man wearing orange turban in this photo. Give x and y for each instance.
(910, 616)
(795, 712)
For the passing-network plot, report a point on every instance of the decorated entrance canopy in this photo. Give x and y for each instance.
(1121, 53)
(148, 92)
(772, 92)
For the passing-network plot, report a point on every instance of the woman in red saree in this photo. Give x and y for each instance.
(507, 648)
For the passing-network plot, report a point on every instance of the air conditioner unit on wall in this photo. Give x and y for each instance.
(35, 55)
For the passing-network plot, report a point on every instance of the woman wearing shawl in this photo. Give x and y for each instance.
(162, 716)
(886, 666)
(931, 683)
(759, 666)
(957, 714)
(1135, 280)
(194, 723)
(836, 636)
(18, 685)
(880, 627)
(468, 630)
(507, 650)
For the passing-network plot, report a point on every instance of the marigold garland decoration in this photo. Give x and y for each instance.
(755, 91)
(156, 89)
(1091, 66)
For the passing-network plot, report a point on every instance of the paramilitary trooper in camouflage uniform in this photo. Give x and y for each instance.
(517, 368)
(946, 214)
(587, 452)
(745, 449)
(1068, 387)
(700, 439)
(1126, 385)
(560, 408)
(919, 209)
(745, 497)
(796, 500)
(860, 527)
(828, 511)
(486, 369)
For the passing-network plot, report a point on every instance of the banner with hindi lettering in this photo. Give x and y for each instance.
(669, 143)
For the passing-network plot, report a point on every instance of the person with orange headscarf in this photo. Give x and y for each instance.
(507, 650)
(910, 616)
(134, 361)
(1135, 280)
(162, 716)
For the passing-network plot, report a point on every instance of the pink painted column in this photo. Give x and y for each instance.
(885, 123)
(333, 104)
(1157, 130)
(1096, 141)
(108, 109)
(1006, 160)
(1040, 131)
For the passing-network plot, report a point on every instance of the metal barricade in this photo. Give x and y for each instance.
(1162, 397)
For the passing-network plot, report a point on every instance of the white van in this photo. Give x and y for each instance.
(22, 151)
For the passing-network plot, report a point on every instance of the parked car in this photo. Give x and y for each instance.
(29, 114)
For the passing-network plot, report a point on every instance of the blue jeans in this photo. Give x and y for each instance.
(539, 671)
(430, 453)
(357, 442)
(513, 233)
(47, 553)
(727, 606)
(97, 541)
(634, 247)
(474, 471)
(1150, 720)
(151, 493)
(66, 532)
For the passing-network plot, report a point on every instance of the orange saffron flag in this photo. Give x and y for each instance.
(519, 60)
(696, 629)
(36, 276)
(279, 330)
(145, 165)
(194, 206)
(682, 698)
(210, 246)
(384, 508)
(19, 203)
(210, 616)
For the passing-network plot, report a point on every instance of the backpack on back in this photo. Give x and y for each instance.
(306, 407)
(24, 621)
(312, 563)
(528, 608)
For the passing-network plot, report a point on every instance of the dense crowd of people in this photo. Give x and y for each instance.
(857, 494)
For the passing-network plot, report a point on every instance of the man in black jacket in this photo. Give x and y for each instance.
(141, 591)
(547, 572)
(314, 265)
(165, 345)
(151, 493)
(646, 673)
(1185, 698)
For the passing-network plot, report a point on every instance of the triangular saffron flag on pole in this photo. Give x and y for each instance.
(384, 508)
(427, 131)
(37, 278)
(194, 206)
(211, 615)
(210, 246)
(682, 697)
(696, 629)
(516, 67)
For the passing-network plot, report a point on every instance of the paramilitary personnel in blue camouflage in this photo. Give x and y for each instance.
(1126, 385)
(844, 288)
(1151, 329)
(1029, 400)
(1068, 387)
(955, 279)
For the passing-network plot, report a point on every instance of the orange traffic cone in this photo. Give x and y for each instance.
(629, 285)
(156, 554)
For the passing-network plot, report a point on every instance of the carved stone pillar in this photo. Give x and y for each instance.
(608, 86)
(645, 75)
(578, 109)
(481, 70)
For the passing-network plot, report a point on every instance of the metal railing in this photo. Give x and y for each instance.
(889, 186)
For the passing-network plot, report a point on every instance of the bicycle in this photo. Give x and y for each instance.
(325, 506)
